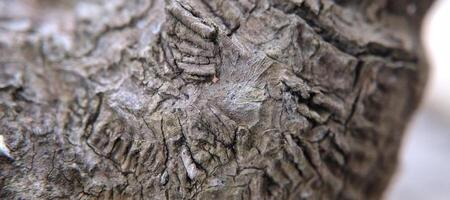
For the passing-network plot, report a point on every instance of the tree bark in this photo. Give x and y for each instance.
(198, 99)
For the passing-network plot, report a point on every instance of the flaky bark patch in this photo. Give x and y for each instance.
(196, 99)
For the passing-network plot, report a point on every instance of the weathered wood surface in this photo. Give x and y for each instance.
(198, 99)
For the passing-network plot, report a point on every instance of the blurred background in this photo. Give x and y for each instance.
(424, 171)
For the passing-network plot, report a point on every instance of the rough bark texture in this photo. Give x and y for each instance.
(205, 99)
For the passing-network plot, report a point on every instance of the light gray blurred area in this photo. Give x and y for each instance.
(424, 171)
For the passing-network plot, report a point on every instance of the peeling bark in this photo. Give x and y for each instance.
(198, 99)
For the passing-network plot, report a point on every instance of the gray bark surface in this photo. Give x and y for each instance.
(199, 99)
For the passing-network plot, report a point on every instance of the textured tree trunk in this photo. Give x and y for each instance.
(205, 99)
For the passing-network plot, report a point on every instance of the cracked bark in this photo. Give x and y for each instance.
(195, 99)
